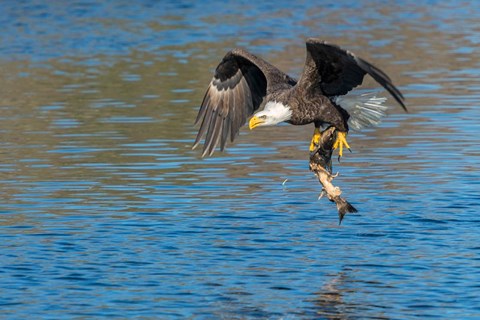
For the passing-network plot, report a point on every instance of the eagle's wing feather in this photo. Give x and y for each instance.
(237, 89)
(338, 71)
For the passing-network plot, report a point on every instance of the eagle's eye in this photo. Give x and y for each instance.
(263, 117)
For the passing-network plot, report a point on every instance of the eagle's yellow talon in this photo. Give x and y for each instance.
(315, 139)
(341, 142)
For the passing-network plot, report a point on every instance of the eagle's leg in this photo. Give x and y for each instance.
(315, 139)
(341, 142)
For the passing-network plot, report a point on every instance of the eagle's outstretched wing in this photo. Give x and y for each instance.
(338, 71)
(237, 89)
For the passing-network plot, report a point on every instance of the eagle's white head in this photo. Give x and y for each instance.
(273, 113)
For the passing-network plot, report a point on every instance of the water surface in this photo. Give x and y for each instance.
(108, 213)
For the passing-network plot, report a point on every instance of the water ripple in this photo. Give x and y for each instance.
(107, 212)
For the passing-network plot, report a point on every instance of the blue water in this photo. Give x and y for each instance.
(106, 211)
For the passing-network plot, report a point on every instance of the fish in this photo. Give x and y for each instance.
(321, 165)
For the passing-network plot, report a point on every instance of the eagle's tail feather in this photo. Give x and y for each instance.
(365, 109)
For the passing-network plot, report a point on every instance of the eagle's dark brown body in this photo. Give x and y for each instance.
(312, 108)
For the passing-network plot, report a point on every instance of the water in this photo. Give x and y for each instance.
(108, 213)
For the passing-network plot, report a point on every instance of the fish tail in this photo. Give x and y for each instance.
(344, 207)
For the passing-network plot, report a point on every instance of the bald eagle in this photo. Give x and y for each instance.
(243, 82)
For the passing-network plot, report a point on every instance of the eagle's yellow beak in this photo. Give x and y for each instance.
(255, 122)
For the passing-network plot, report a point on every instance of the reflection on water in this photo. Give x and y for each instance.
(107, 212)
